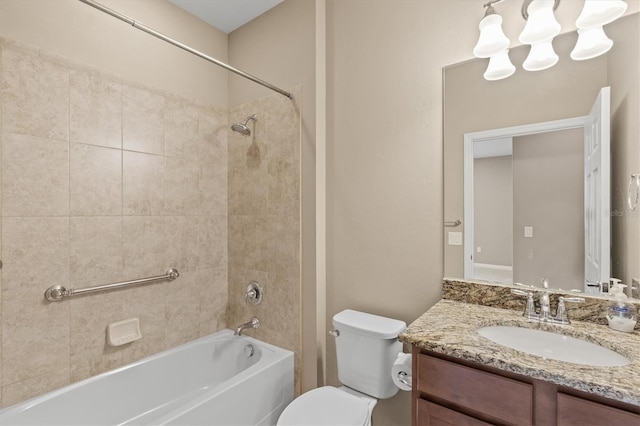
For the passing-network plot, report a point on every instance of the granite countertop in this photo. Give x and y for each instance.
(449, 328)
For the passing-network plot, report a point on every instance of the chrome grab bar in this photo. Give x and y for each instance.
(58, 292)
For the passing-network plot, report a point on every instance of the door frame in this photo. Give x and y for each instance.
(469, 140)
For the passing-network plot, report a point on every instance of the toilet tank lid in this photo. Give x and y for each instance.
(368, 324)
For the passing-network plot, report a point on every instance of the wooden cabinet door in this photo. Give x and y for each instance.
(430, 414)
(577, 411)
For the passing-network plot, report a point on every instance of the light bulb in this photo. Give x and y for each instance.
(541, 56)
(492, 39)
(541, 24)
(500, 66)
(591, 42)
(597, 13)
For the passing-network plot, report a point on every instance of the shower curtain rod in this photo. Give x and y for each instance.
(169, 40)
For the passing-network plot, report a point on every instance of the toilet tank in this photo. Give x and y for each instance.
(366, 348)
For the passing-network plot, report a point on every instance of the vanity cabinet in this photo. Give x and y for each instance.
(447, 391)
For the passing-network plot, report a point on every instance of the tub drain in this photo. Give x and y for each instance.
(248, 351)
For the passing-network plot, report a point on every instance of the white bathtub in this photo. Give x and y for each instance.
(214, 380)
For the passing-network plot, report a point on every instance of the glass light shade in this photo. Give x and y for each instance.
(541, 56)
(500, 66)
(597, 13)
(541, 24)
(492, 39)
(592, 42)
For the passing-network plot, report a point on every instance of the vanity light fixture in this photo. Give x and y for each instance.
(539, 31)
(492, 39)
(592, 41)
(493, 44)
(597, 13)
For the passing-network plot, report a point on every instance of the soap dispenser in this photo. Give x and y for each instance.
(621, 314)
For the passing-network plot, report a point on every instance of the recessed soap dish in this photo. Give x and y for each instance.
(123, 332)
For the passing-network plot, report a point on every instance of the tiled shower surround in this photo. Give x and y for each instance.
(105, 180)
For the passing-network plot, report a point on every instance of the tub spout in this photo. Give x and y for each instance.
(253, 323)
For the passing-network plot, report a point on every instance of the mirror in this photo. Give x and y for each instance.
(566, 91)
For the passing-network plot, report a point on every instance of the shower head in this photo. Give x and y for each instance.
(242, 128)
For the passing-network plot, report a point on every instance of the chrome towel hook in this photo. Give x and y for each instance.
(633, 204)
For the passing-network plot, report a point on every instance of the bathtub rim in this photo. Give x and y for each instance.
(271, 354)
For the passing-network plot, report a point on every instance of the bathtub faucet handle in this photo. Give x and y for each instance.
(254, 293)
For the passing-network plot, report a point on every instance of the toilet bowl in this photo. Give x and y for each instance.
(366, 348)
(329, 406)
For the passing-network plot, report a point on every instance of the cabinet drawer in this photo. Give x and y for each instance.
(501, 398)
(577, 411)
(430, 414)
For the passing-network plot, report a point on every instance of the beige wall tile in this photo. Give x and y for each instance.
(35, 176)
(211, 241)
(35, 256)
(213, 132)
(284, 186)
(248, 178)
(181, 138)
(20, 391)
(95, 181)
(35, 95)
(248, 247)
(95, 110)
(184, 234)
(181, 187)
(89, 316)
(145, 246)
(143, 183)
(213, 300)
(35, 336)
(213, 188)
(95, 250)
(142, 121)
(182, 315)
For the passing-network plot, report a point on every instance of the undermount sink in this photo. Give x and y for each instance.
(553, 346)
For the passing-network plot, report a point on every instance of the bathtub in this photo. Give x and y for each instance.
(220, 379)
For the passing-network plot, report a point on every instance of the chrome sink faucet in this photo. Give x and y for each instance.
(545, 305)
(253, 323)
(544, 314)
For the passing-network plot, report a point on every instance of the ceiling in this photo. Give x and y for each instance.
(226, 15)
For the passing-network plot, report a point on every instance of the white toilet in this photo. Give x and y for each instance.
(366, 347)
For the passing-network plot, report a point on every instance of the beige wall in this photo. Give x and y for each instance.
(474, 104)
(279, 47)
(493, 210)
(623, 71)
(264, 221)
(114, 167)
(104, 180)
(548, 195)
(82, 33)
(384, 152)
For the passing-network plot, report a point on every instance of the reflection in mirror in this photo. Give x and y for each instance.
(473, 105)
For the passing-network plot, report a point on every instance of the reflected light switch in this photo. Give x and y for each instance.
(455, 238)
(528, 231)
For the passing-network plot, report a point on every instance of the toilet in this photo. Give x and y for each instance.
(366, 347)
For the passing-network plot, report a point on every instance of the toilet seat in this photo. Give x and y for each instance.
(327, 406)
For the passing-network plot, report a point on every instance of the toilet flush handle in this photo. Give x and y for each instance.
(335, 333)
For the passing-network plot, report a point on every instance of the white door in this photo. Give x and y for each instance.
(597, 218)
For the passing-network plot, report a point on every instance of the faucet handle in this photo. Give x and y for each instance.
(529, 309)
(545, 282)
(254, 293)
(561, 313)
